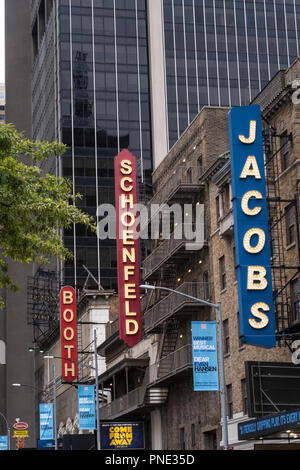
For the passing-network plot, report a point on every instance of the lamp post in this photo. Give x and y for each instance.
(8, 429)
(39, 390)
(221, 353)
(96, 384)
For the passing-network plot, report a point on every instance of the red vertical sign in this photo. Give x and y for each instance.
(127, 249)
(68, 334)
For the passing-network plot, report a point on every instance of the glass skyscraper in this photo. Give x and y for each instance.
(222, 52)
(113, 74)
(102, 105)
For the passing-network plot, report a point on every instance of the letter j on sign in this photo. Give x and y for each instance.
(252, 246)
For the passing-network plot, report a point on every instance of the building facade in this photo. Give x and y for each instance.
(259, 381)
(133, 74)
(101, 75)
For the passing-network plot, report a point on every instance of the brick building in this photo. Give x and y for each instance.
(153, 381)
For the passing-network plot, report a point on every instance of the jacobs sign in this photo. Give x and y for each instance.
(252, 247)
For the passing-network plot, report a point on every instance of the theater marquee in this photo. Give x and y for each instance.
(256, 311)
(127, 249)
(68, 334)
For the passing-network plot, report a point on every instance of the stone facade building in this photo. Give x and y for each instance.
(197, 170)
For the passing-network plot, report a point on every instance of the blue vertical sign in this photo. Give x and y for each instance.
(86, 407)
(3, 442)
(46, 421)
(252, 247)
(205, 356)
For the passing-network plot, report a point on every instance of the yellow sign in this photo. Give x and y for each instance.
(120, 435)
(21, 433)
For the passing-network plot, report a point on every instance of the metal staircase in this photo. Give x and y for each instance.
(167, 346)
(276, 214)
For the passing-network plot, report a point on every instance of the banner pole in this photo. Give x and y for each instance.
(54, 406)
(97, 392)
(223, 385)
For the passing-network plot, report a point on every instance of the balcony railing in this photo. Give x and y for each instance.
(181, 236)
(174, 363)
(111, 328)
(120, 405)
(156, 374)
(174, 303)
(182, 178)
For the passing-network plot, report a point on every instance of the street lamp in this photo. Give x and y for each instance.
(96, 383)
(39, 390)
(29, 386)
(221, 354)
(54, 403)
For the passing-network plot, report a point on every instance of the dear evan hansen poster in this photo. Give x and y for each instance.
(205, 356)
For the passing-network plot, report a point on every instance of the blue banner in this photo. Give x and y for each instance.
(46, 421)
(252, 247)
(86, 407)
(122, 436)
(205, 356)
(3, 442)
(46, 444)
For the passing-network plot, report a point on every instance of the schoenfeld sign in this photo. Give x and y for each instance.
(127, 248)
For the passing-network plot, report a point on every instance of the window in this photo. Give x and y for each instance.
(210, 440)
(199, 164)
(229, 401)
(218, 209)
(182, 438)
(35, 45)
(226, 337)
(244, 396)
(41, 25)
(193, 436)
(234, 261)
(295, 300)
(240, 342)
(49, 7)
(222, 273)
(284, 145)
(226, 198)
(206, 285)
(189, 176)
(290, 225)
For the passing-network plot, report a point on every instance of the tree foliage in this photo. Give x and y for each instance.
(34, 206)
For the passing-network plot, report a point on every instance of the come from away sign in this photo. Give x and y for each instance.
(252, 248)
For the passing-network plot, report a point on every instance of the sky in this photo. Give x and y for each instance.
(2, 66)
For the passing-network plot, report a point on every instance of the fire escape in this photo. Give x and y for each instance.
(287, 312)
